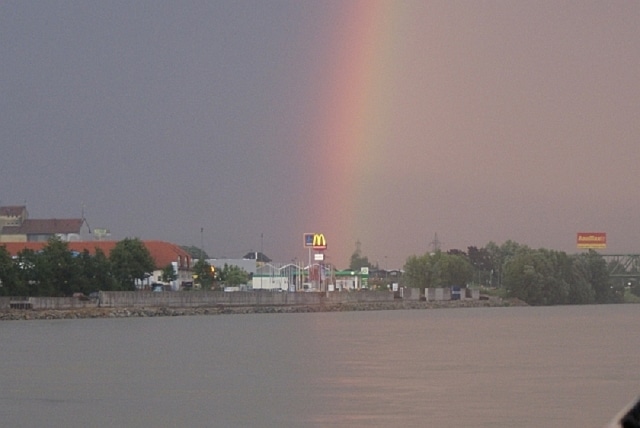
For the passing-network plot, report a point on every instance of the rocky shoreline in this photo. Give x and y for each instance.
(98, 312)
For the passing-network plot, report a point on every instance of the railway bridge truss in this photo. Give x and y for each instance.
(623, 268)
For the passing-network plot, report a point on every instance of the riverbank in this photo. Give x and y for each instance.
(81, 313)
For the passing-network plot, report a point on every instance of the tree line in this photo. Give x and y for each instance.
(56, 271)
(536, 276)
(207, 277)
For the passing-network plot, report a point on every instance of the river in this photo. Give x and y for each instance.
(563, 366)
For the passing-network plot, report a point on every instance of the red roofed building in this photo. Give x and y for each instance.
(16, 226)
(162, 253)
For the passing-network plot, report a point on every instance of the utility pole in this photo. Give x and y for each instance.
(201, 245)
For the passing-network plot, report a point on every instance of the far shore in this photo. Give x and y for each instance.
(103, 312)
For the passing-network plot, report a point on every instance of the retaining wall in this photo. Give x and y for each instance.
(437, 294)
(359, 297)
(9, 302)
(194, 299)
(4, 302)
(409, 293)
(243, 298)
(60, 303)
(473, 293)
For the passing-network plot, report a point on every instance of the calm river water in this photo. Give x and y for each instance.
(568, 366)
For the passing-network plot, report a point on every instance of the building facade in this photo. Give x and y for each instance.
(16, 226)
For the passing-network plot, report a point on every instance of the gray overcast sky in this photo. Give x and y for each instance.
(479, 121)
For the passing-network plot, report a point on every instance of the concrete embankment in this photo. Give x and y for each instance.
(120, 312)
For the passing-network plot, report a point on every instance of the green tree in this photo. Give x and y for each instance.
(436, 265)
(95, 272)
(455, 270)
(635, 289)
(499, 256)
(53, 271)
(130, 261)
(26, 263)
(169, 274)
(196, 253)
(233, 276)
(559, 276)
(538, 277)
(58, 269)
(204, 274)
(85, 269)
(417, 272)
(438, 269)
(10, 284)
(480, 259)
(521, 279)
(580, 289)
(591, 268)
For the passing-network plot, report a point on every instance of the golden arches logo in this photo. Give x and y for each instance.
(319, 241)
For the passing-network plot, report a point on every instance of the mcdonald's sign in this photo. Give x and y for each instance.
(317, 241)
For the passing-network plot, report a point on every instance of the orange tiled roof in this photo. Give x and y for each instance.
(162, 252)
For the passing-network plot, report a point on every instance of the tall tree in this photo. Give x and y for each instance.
(204, 274)
(9, 275)
(482, 264)
(580, 289)
(59, 271)
(130, 262)
(96, 272)
(455, 270)
(521, 279)
(538, 277)
(500, 255)
(27, 266)
(593, 269)
(417, 272)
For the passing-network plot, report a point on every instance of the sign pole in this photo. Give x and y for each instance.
(309, 268)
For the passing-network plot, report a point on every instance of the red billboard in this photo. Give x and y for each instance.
(592, 240)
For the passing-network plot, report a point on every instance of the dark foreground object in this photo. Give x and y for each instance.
(629, 417)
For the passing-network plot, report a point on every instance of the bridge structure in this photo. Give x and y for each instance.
(624, 268)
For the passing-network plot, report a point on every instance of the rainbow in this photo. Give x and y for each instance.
(351, 135)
